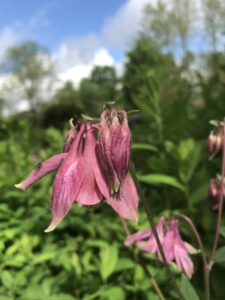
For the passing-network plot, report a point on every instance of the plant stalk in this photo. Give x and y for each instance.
(153, 227)
(142, 264)
(220, 208)
(203, 254)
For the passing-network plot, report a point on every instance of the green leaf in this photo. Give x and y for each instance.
(220, 255)
(214, 123)
(185, 148)
(222, 231)
(194, 160)
(60, 297)
(114, 293)
(161, 179)
(187, 289)
(109, 258)
(199, 194)
(139, 146)
(7, 279)
(38, 259)
(124, 264)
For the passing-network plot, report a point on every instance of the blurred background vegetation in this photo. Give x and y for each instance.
(177, 92)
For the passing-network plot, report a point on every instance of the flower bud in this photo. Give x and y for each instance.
(215, 142)
(214, 192)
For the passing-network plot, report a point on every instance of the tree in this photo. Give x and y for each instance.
(167, 23)
(30, 66)
(154, 84)
(99, 88)
(214, 18)
(158, 25)
(64, 105)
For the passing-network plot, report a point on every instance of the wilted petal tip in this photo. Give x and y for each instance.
(50, 228)
(20, 186)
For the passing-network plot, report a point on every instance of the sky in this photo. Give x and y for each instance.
(78, 33)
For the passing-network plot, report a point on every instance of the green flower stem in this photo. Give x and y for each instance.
(152, 224)
(203, 254)
(220, 209)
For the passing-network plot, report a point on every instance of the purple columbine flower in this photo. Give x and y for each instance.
(173, 246)
(79, 178)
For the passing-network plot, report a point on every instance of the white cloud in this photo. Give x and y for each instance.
(76, 57)
(120, 29)
(76, 51)
(103, 58)
(8, 38)
(75, 74)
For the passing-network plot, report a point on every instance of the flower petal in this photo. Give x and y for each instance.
(127, 204)
(140, 235)
(89, 193)
(42, 170)
(168, 245)
(190, 248)
(183, 260)
(67, 183)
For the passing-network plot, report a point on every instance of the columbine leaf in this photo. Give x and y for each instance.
(187, 289)
(222, 231)
(109, 258)
(140, 146)
(161, 179)
(220, 255)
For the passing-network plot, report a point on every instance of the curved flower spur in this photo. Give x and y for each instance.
(94, 166)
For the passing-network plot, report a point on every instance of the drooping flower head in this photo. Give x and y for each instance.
(173, 246)
(82, 177)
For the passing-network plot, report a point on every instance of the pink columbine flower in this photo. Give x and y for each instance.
(79, 178)
(176, 249)
(173, 246)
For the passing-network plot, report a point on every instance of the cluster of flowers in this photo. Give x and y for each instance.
(215, 146)
(173, 246)
(94, 166)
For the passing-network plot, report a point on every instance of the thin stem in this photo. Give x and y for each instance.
(203, 254)
(220, 208)
(153, 226)
(153, 281)
(142, 264)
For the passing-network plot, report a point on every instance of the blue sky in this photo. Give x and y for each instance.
(79, 33)
(56, 19)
